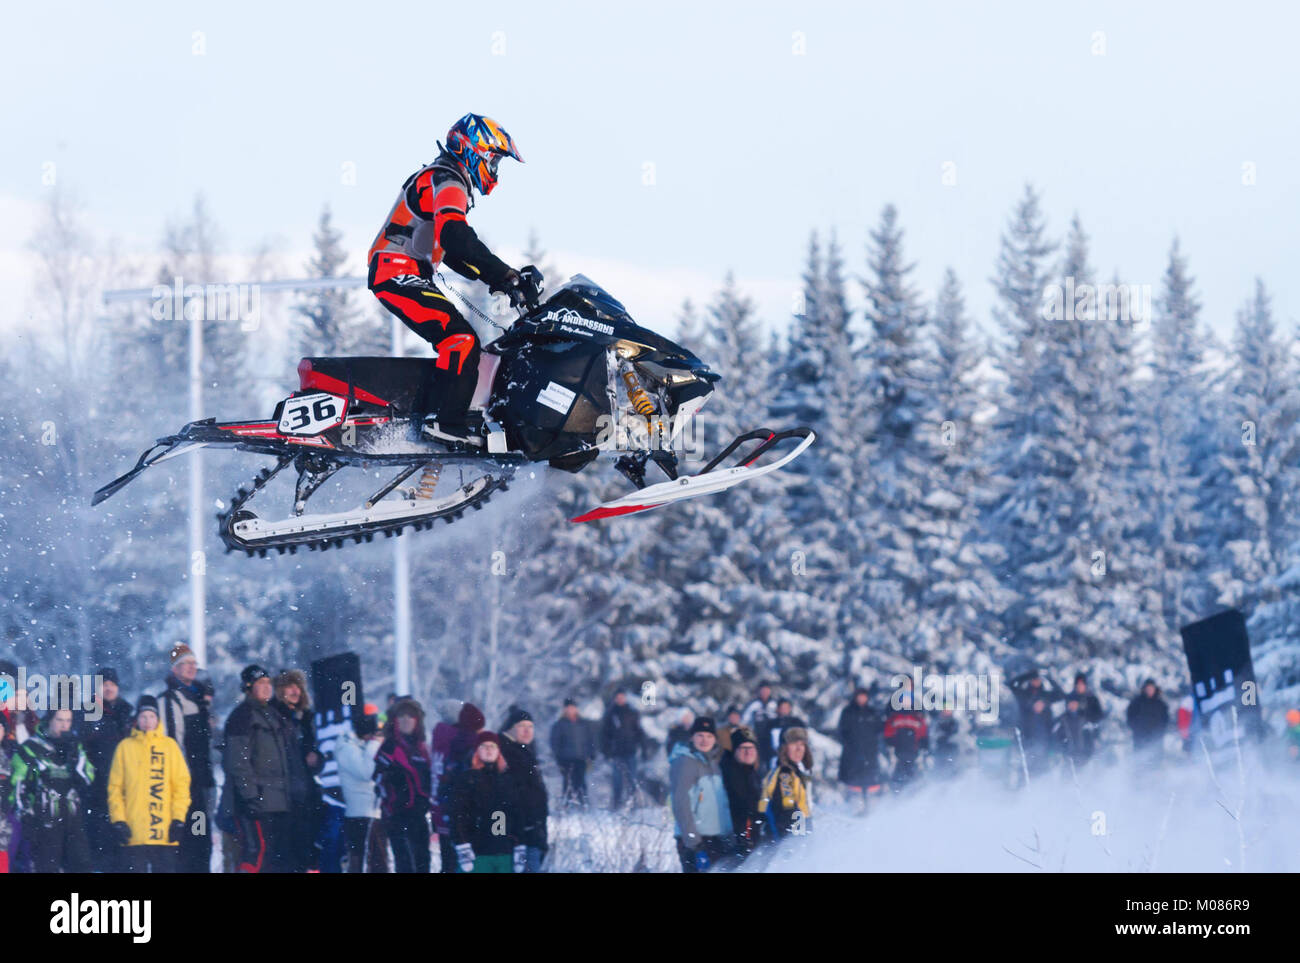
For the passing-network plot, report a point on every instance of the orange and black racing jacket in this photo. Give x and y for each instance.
(428, 223)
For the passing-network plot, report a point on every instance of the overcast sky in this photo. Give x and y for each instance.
(762, 122)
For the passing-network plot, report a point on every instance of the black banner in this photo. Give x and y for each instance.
(1223, 682)
(337, 697)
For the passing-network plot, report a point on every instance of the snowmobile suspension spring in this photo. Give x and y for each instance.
(637, 395)
(428, 481)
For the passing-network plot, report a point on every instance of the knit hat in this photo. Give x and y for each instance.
(486, 736)
(251, 674)
(147, 703)
(471, 717)
(704, 724)
(182, 653)
(514, 716)
(108, 675)
(741, 736)
(570, 702)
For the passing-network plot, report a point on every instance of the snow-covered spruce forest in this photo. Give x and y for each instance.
(1071, 490)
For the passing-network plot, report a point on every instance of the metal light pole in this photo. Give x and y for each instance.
(401, 584)
(198, 563)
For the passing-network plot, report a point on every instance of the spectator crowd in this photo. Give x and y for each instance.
(134, 788)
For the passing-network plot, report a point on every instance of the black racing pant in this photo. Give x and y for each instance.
(196, 847)
(105, 850)
(405, 287)
(408, 835)
(59, 846)
(263, 843)
(356, 830)
(447, 850)
(152, 859)
(574, 772)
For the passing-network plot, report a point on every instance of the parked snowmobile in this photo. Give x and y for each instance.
(571, 377)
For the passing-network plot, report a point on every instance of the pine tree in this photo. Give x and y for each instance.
(961, 595)
(896, 450)
(817, 551)
(1175, 449)
(332, 325)
(1258, 449)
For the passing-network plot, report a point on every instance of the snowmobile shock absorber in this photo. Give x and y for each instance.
(428, 480)
(637, 395)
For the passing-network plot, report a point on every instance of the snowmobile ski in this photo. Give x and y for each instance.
(710, 479)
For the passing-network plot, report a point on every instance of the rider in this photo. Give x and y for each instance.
(427, 227)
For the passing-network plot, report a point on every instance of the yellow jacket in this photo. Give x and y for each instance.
(148, 786)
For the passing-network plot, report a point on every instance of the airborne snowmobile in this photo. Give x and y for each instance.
(554, 388)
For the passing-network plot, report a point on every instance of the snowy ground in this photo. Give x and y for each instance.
(1176, 821)
(1173, 820)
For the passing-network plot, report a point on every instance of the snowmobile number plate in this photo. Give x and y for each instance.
(311, 414)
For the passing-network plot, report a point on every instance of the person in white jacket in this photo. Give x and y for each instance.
(354, 754)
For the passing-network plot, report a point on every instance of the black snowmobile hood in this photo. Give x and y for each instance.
(582, 310)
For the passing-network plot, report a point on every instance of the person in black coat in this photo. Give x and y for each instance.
(1089, 704)
(100, 736)
(1072, 733)
(1148, 718)
(530, 791)
(573, 743)
(1031, 686)
(294, 704)
(1036, 734)
(743, 782)
(770, 730)
(620, 740)
(258, 749)
(859, 731)
(484, 813)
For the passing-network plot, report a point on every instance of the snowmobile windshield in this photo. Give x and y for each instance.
(582, 285)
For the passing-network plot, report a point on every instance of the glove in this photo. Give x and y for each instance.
(177, 831)
(521, 858)
(532, 284)
(123, 833)
(702, 859)
(523, 287)
(465, 856)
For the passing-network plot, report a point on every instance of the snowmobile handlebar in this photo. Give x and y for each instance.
(526, 292)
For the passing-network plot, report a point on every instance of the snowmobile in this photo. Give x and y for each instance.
(572, 376)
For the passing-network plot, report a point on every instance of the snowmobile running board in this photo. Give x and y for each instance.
(707, 481)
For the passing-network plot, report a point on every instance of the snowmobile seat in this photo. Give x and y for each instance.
(395, 382)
